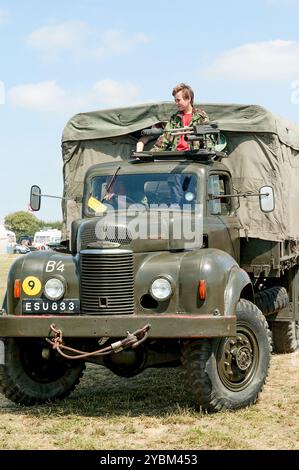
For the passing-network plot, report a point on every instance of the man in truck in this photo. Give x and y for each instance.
(186, 115)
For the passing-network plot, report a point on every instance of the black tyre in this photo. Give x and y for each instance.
(33, 373)
(229, 373)
(272, 300)
(284, 336)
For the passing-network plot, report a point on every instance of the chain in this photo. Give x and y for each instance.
(132, 340)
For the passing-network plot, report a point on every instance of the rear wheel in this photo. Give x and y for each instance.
(229, 373)
(285, 336)
(284, 333)
(33, 373)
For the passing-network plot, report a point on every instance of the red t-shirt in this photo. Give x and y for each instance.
(182, 144)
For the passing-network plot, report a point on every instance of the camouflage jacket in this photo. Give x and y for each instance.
(170, 142)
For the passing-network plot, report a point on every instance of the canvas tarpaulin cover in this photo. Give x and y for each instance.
(263, 149)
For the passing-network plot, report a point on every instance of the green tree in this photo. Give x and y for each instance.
(22, 223)
(56, 224)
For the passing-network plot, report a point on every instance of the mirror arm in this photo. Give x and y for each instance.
(53, 197)
(76, 199)
(219, 196)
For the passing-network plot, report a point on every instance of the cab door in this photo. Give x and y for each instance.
(222, 225)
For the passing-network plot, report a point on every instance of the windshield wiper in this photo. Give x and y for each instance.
(110, 183)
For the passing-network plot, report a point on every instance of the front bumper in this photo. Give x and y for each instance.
(87, 326)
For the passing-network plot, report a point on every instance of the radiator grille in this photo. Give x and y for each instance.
(91, 233)
(107, 282)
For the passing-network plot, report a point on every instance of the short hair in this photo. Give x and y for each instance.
(187, 91)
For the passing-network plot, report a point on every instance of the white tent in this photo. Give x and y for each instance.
(7, 239)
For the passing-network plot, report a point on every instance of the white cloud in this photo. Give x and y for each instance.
(119, 42)
(58, 38)
(3, 15)
(112, 93)
(270, 60)
(49, 97)
(79, 39)
(44, 96)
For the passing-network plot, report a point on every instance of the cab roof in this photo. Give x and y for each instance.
(151, 167)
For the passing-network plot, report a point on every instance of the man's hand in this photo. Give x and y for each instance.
(109, 196)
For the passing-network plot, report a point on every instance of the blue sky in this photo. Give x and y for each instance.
(62, 57)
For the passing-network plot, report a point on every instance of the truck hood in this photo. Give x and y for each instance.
(142, 232)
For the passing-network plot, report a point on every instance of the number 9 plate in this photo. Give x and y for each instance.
(50, 306)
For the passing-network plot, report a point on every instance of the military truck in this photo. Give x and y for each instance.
(213, 304)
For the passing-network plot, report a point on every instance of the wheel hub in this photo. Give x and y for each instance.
(243, 358)
(237, 361)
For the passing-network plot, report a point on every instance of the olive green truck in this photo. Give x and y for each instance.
(168, 259)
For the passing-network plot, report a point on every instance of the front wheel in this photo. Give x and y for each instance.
(33, 373)
(229, 373)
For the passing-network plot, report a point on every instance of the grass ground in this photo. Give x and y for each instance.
(152, 411)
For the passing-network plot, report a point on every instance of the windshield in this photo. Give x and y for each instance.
(148, 190)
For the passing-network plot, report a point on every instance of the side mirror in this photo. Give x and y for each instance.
(267, 203)
(35, 198)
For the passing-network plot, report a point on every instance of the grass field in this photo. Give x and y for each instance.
(152, 411)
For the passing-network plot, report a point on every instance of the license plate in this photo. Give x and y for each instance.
(50, 306)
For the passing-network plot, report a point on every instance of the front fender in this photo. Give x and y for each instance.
(225, 281)
(238, 280)
(215, 267)
(37, 264)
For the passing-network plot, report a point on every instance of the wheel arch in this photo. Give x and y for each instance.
(238, 286)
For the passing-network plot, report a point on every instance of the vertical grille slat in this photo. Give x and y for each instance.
(107, 282)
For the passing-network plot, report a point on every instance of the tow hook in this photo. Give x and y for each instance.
(132, 340)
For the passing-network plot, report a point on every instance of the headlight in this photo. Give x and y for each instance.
(161, 289)
(54, 289)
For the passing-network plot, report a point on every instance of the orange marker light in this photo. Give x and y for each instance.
(202, 289)
(17, 289)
